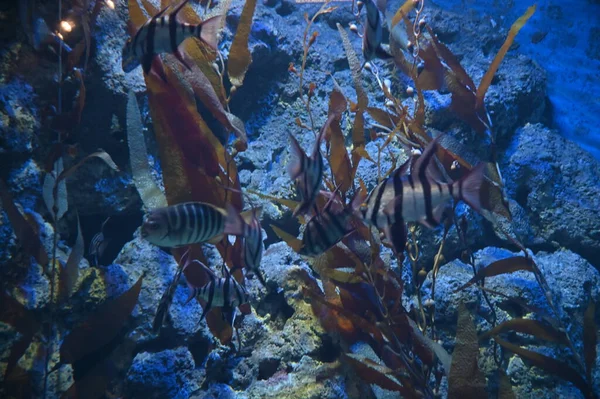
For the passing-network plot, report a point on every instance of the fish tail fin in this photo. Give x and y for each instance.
(208, 31)
(294, 165)
(468, 189)
(234, 224)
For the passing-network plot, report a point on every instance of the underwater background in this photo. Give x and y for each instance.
(383, 199)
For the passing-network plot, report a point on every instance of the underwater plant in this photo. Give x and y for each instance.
(360, 249)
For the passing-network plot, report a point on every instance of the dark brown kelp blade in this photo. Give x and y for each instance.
(526, 326)
(180, 120)
(26, 234)
(465, 380)
(590, 339)
(489, 75)
(93, 384)
(101, 327)
(205, 92)
(502, 266)
(239, 54)
(70, 273)
(550, 365)
(375, 373)
(505, 390)
(13, 313)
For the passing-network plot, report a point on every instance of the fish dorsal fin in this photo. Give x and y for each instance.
(424, 160)
(162, 12)
(174, 13)
(403, 169)
(250, 214)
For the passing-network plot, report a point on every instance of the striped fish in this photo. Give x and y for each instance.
(98, 245)
(223, 292)
(253, 242)
(190, 223)
(307, 172)
(418, 196)
(327, 228)
(163, 33)
(373, 33)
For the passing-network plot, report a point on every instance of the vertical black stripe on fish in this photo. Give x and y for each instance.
(209, 301)
(150, 36)
(173, 33)
(324, 238)
(226, 291)
(377, 205)
(334, 220)
(192, 222)
(238, 292)
(425, 183)
(186, 222)
(135, 41)
(207, 227)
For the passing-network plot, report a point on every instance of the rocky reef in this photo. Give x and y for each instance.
(97, 338)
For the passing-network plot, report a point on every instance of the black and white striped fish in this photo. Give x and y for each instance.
(223, 292)
(307, 172)
(373, 32)
(190, 223)
(98, 245)
(418, 196)
(163, 33)
(328, 227)
(253, 242)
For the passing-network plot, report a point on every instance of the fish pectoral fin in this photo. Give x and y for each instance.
(439, 212)
(396, 235)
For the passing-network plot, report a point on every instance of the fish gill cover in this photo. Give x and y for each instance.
(356, 286)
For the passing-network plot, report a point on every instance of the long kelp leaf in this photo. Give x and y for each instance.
(531, 327)
(205, 92)
(181, 119)
(590, 339)
(465, 379)
(441, 354)
(136, 15)
(355, 68)
(27, 236)
(505, 390)
(489, 75)
(345, 275)
(402, 12)
(290, 240)
(98, 154)
(70, 273)
(149, 192)
(61, 191)
(339, 159)
(239, 54)
(502, 266)
(375, 373)
(101, 327)
(550, 365)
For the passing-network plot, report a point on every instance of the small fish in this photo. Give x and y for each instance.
(190, 223)
(307, 171)
(418, 196)
(327, 228)
(373, 33)
(253, 242)
(223, 292)
(98, 245)
(163, 34)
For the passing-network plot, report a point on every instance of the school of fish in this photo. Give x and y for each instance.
(415, 192)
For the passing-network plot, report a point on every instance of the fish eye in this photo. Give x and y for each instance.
(152, 225)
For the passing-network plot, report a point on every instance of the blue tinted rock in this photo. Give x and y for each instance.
(166, 374)
(557, 184)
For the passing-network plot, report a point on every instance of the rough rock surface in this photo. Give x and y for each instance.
(573, 283)
(558, 186)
